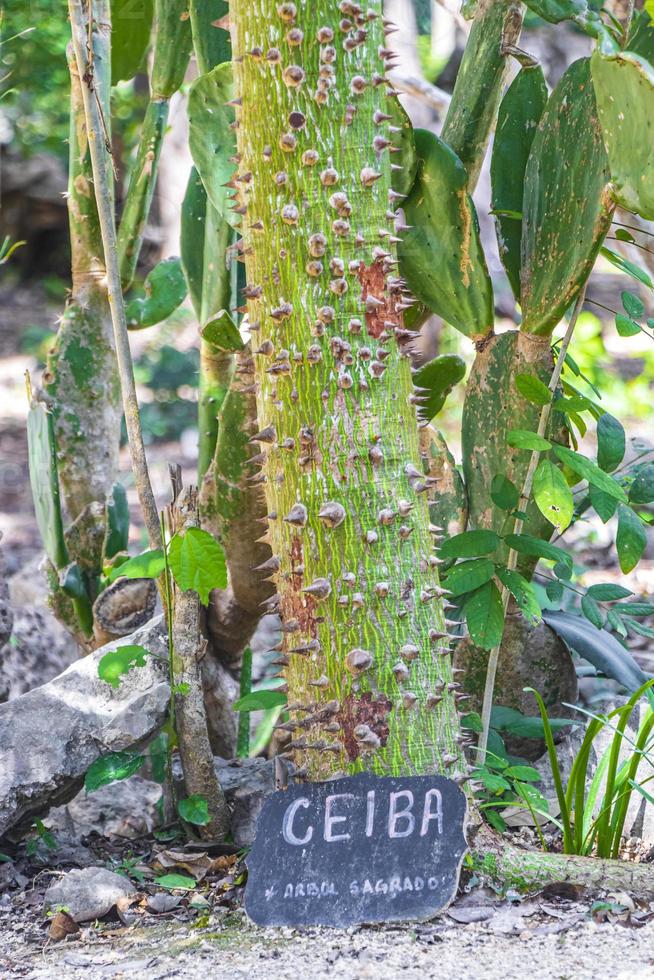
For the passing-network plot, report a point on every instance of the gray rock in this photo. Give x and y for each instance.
(124, 809)
(50, 736)
(38, 650)
(88, 893)
(246, 783)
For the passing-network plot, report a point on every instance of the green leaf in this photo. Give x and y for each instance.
(165, 289)
(523, 593)
(611, 443)
(563, 571)
(533, 389)
(110, 768)
(194, 809)
(633, 305)
(149, 564)
(526, 773)
(117, 537)
(211, 140)
(44, 481)
(197, 562)
(555, 11)
(222, 333)
(504, 493)
(629, 268)
(260, 701)
(609, 592)
(526, 544)
(554, 591)
(598, 647)
(615, 622)
(174, 881)
(553, 495)
(492, 782)
(518, 117)
(131, 23)
(113, 665)
(603, 505)
(485, 616)
(592, 611)
(438, 377)
(522, 439)
(441, 255)
(637, 608)
(470, 544)
(469, 575)
(567, 208)
(642, 489)
(589, 471)
(630, 540)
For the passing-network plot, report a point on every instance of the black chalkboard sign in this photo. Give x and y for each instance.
(359, 849)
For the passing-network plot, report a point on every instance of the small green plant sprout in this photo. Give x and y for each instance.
(7, 249)
(594, 810)
(41, 835)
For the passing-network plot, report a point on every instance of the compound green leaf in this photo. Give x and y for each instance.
(533, 389)
(553, 495)
(523, 593)
(592, 611)
(469, 575)
(588, 470)
(260, 701)
(611, 443)
(526, 544)
(174, 881)
(630, 540)
(642, 489)
(485, 616)
(504, 493)
(470, 544)
(522, 439)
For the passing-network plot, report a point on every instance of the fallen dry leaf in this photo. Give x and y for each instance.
(62, 925)
(197, 865)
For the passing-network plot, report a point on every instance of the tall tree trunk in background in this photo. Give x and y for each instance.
(364, 651)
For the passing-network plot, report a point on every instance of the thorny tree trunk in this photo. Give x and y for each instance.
(365, 655)
(82, 377)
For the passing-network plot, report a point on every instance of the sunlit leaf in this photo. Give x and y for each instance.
(110, 768)
(553, 495)
(115, 664)
(485, 616)
(197, 562)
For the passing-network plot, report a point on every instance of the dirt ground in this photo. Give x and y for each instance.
(538, 945)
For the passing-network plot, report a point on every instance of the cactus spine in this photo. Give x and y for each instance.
(368, 672)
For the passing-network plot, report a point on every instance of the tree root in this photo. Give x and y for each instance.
(531, 871)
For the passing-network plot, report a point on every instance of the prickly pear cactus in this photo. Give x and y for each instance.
(624, 87)
(472, 111)
(519, 114)
(364, 646)
(567, 206)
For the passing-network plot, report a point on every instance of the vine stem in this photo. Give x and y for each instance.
(102, 182)
(546, 411)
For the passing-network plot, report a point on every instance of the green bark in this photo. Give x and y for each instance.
(369, 676)
(81, 377)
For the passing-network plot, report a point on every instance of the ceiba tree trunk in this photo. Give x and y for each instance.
(365, 649)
